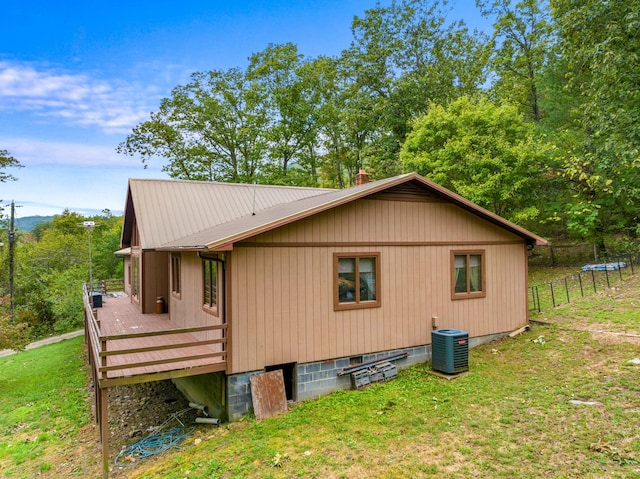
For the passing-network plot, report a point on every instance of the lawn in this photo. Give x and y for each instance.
(557, 401)
(44, 413)
(561, 400)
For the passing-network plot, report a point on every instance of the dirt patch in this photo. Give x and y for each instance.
(138, 410)
(135, 412)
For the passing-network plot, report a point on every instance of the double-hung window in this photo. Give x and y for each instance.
(357, 280)
(175, 274)
(467, 274)
(135, 275)
(210, 290)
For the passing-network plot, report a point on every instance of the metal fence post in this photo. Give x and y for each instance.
(566, 287)
(553, 298)
(619, 268)
(580, 281)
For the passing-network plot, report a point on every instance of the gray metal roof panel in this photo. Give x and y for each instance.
(278, 215)
(166, 210)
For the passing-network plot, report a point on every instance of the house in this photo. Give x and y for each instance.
(225, 281)
(312, 280)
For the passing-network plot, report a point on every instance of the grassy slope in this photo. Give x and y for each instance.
(510, 416)
(43, 407)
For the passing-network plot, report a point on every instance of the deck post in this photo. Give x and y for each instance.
(103, 359)
(104, 431)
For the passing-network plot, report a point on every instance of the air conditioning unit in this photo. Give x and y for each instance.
(450, 351)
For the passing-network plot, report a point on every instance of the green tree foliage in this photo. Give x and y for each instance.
(404, 57)
(51, 268)
(210, 129)
(570, 67)
(523, 43)
(12, 335)
(485, 152)
(7, 161)
(599, 44)
(294, 120)
(292, 100)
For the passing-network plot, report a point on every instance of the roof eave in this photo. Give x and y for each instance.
(356, 195)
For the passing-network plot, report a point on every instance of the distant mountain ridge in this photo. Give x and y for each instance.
(27, 223)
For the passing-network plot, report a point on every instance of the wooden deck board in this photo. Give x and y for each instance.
(119, 316)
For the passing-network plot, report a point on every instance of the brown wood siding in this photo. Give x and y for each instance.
(154, 271)
(187, 309)
(127, 274)
(283, 283)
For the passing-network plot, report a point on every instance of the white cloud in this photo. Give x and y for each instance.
(31, 152)
(114, 106)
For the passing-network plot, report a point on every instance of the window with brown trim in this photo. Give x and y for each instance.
(175, 274)
(135, 275)
(210, 292)
(468, 274)
(356, 280)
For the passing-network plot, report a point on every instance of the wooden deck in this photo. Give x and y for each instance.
(127, 347)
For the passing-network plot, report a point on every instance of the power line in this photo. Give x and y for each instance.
(12, 240)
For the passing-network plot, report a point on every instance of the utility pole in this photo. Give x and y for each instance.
(12, 240)
(89, 226)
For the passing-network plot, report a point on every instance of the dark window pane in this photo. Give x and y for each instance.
(346, 280)
(367, 279)
(460, 273)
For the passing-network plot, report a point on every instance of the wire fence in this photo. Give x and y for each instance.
(591, 279)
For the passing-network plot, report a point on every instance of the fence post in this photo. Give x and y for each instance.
(566, 287)
(533, 298)
(606, 273)
(553, 298)
(580, 281)
(631, 262)
(593, 278)
(619, 268)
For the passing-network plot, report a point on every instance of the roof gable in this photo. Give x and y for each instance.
(166, 210)
(401, 187)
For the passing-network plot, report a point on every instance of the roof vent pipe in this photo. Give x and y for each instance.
(362, 177)
(253, 210)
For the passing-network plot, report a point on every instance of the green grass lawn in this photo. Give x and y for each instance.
(43, 406)
(559, 401)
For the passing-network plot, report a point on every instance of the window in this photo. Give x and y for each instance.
(467, 277)
(175, 274)
(135, 269)
(357, 281)
(210, 269)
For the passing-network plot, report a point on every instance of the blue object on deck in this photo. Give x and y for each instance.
(604, 266)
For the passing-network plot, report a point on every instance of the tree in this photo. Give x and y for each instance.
(599, 42)
(523, 42)
(404, 57)
(55, 264)
(12, 335)
(210, 129)
(7, 161)
(292, 100)
(485, 152)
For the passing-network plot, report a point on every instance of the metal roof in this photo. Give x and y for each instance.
(166, 210)
(221, 235)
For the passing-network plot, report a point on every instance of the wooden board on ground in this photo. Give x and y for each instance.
(268, 394)
(448, 377)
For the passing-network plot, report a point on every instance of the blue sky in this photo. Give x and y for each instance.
(76, 77)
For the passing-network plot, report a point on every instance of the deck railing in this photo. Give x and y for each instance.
(99, 354)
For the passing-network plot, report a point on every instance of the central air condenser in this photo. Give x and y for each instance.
(450, 351)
